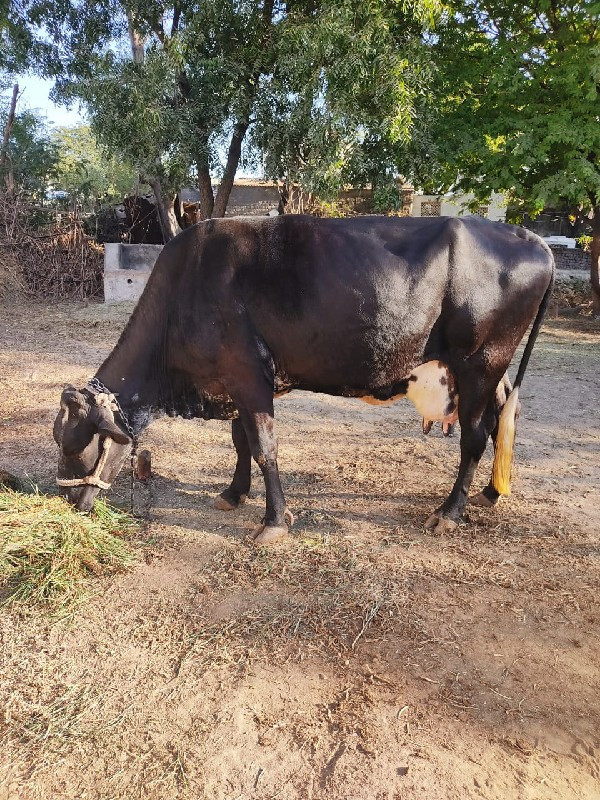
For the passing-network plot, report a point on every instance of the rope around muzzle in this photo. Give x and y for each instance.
(94, 478)
(107, 400)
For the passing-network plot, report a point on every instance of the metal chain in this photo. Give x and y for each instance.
(98, 386)
(94, 383)
(132, 483)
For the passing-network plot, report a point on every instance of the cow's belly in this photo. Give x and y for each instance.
(432, 389)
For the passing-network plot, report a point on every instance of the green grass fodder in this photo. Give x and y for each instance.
(48, 550)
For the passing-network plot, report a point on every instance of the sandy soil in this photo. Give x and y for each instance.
(365, 658)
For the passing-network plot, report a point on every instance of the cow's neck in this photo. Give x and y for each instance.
(134, 372)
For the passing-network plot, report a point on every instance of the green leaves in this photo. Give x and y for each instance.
(342, 99)
(328, 90)
(516, 93)
(31, 155)
(85, 172)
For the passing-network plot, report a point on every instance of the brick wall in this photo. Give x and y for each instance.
(247, 200)
(566, 258)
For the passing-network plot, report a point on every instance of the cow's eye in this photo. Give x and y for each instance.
(76, 441)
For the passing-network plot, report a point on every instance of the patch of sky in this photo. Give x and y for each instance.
(34, 95)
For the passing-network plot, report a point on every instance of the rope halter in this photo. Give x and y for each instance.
(94, 478)
(106, 400)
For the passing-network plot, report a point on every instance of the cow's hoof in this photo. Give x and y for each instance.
(482, 501)
(288, 516)
(267, 534)
(440, 525)
(221, 503)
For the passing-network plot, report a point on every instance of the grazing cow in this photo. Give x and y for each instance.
(239, 311)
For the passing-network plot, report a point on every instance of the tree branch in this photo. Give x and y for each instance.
(9, 124)
(176, 18)
(136, 39)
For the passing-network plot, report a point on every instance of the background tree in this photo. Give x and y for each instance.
(175, 86)
(342, 97)
(514, 108)
(88, 175)
(31, 156)
(166, 85)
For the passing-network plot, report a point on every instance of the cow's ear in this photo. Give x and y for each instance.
(107, 427)
(59, 425)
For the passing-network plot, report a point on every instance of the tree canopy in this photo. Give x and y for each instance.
(31, 156)
(343, 96)
(326, 88)
(87, 174)
(514, 106)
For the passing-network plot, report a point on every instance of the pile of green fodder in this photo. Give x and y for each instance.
(48, 550)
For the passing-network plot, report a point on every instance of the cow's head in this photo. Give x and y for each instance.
(93, 447)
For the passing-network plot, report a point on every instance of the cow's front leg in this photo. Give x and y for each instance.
(259, 427)
(236, 493)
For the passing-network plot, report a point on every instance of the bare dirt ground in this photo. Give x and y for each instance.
(365, 658)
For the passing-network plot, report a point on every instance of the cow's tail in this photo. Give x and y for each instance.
(505, 440)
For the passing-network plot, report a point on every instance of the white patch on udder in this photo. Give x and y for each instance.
(429, 389)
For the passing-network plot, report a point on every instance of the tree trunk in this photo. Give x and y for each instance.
(207, 198)
(136, 39)
(595, 265)
(8, 126)
(165, 208)
(173, 225)
(233, 159)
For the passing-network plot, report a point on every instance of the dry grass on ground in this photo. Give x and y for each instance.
(364, 659)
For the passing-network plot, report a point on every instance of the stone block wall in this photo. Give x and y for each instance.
(252, 200)
(127, 268)
(427, 205)
(570, 258)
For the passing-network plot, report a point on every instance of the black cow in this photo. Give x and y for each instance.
(238, 311)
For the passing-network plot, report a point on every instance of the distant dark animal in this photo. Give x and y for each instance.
(237, 312)
(108, 225)
(189, 215)
(141, 220)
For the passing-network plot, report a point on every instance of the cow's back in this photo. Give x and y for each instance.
(361, 301)
(347, 304)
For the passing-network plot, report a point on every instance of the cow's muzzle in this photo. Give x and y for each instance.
(93, 479)
(82, 497)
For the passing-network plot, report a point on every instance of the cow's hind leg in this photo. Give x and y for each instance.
(476, 424)
(236, 493)
(490, 496)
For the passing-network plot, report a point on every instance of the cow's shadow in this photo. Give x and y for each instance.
(189, 505)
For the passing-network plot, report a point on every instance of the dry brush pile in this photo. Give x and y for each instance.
(45, 253)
